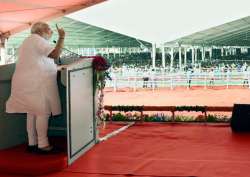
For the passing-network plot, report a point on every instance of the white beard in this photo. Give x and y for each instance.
(46, 36)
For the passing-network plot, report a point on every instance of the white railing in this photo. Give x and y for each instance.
(172, 80)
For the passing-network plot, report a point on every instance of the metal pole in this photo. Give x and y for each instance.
(211, 53)
(193, 50)
(185, 56)
(172, 59)
(203, 54)
(2, 50)
(163, 57)
(3, 56)
(180, 61)
(153, 54)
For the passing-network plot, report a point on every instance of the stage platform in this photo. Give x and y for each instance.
(17, 161)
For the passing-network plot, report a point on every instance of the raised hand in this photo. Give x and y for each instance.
(61, 32)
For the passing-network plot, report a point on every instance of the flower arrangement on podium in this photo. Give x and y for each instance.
(100, 66)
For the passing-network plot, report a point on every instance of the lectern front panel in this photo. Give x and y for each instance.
(81, 116)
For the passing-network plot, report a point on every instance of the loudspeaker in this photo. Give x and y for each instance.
(240, 121)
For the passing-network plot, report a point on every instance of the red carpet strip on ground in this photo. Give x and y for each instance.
(170, 150)
(116, 132)
(108, 127)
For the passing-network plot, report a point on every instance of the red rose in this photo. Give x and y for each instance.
(99, 63)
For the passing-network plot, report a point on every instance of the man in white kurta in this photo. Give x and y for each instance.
(34, 84)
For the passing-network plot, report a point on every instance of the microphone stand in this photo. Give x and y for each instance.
(72, 53)
(69, 51)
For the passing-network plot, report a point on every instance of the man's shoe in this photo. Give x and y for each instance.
(48, 150)
(32, 148)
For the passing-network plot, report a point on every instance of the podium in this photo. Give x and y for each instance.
(77, 122)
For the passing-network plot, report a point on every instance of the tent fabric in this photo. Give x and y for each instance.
(18, 15)
(83, 35)
(235, 33)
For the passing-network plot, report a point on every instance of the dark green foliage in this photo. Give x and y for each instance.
(127, 108)
(191, 108)
(119, 117)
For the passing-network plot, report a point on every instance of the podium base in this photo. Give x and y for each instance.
(18, 161)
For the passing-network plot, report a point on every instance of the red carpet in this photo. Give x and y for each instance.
(170, 150)
(17, 161)
(152, 149)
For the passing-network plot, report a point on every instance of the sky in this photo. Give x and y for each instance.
(159, 21)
